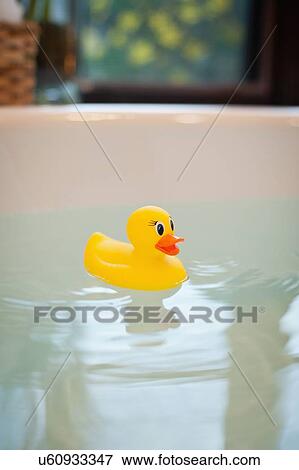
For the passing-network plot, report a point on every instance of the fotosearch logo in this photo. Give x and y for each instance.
(147, 314)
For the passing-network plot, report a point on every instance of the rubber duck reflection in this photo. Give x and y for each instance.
(146, 313)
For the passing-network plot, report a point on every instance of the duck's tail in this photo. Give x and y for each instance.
(90, 250)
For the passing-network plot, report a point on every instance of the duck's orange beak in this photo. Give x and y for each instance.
(167, 244)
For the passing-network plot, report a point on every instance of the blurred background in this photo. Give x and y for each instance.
(157, 51)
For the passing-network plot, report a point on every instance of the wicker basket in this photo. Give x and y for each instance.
(18, 51)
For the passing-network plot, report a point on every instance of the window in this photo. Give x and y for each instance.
(163, 51)
(165, 42)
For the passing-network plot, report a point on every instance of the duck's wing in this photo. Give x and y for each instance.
(103, 249)
(112, 273)
(114, 251)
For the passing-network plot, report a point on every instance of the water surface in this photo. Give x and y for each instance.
(130, 386)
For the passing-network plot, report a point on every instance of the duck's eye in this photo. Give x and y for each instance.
(172, 224)
(159, 228)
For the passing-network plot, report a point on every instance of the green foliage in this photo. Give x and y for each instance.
(183, 41)
(33, 6)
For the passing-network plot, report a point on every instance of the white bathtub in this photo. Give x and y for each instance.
(50, 159)
(144, 386)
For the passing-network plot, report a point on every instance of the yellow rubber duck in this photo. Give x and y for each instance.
(148, 262)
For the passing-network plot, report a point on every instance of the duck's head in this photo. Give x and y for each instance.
(151, 228)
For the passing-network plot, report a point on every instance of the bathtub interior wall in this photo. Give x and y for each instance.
(51, 160)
